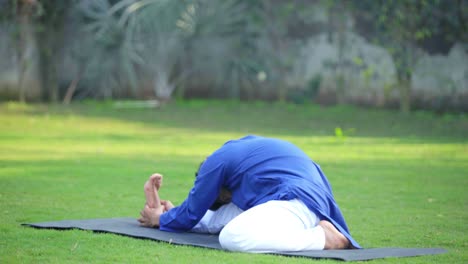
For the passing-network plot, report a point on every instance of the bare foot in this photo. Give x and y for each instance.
(151, 191)
(157, 180)
(333, 238)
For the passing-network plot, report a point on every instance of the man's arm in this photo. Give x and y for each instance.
(203, 194)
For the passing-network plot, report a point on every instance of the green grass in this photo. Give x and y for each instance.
(401, 180)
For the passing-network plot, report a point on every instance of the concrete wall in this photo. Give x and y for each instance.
(369, 72)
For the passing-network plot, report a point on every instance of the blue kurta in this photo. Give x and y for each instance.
(256, 170)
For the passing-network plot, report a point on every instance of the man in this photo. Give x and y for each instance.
(287, 201)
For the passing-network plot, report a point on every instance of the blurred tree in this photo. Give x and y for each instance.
(237, 46)
(21, 14)
(275, 16)
(337, 18)
(146, 35)
(26, 10)
(104, 53)
(268, 43)
(233, 24)
(157, 31)
(402, 27)
(49, 30)
(161, 38)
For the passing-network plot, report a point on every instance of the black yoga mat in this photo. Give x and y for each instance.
(130, 227)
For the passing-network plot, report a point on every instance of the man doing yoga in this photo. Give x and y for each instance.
(271, 198)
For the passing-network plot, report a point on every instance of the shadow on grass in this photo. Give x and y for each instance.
(276, 119)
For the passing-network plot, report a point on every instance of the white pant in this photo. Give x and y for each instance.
(214, 221)
(270, 227)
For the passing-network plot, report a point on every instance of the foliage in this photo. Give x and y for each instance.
(172, 41)
(40, 22)
(307, 94)
(233, 48)
(403, 26)
(105, 53)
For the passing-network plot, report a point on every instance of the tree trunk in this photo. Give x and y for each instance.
(406, 62)
(282, 89)
(72, 87)
(274, 34)
(50, 41)
(405, 95)
(22, 67)
(47, 69)
(24, 10)
(340, 21)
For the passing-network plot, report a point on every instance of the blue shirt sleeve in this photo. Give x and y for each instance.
(211, 176)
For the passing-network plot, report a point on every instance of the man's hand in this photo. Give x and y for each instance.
(167, 205)
(150, 216)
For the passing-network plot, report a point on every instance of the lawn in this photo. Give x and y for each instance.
(401, 180)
